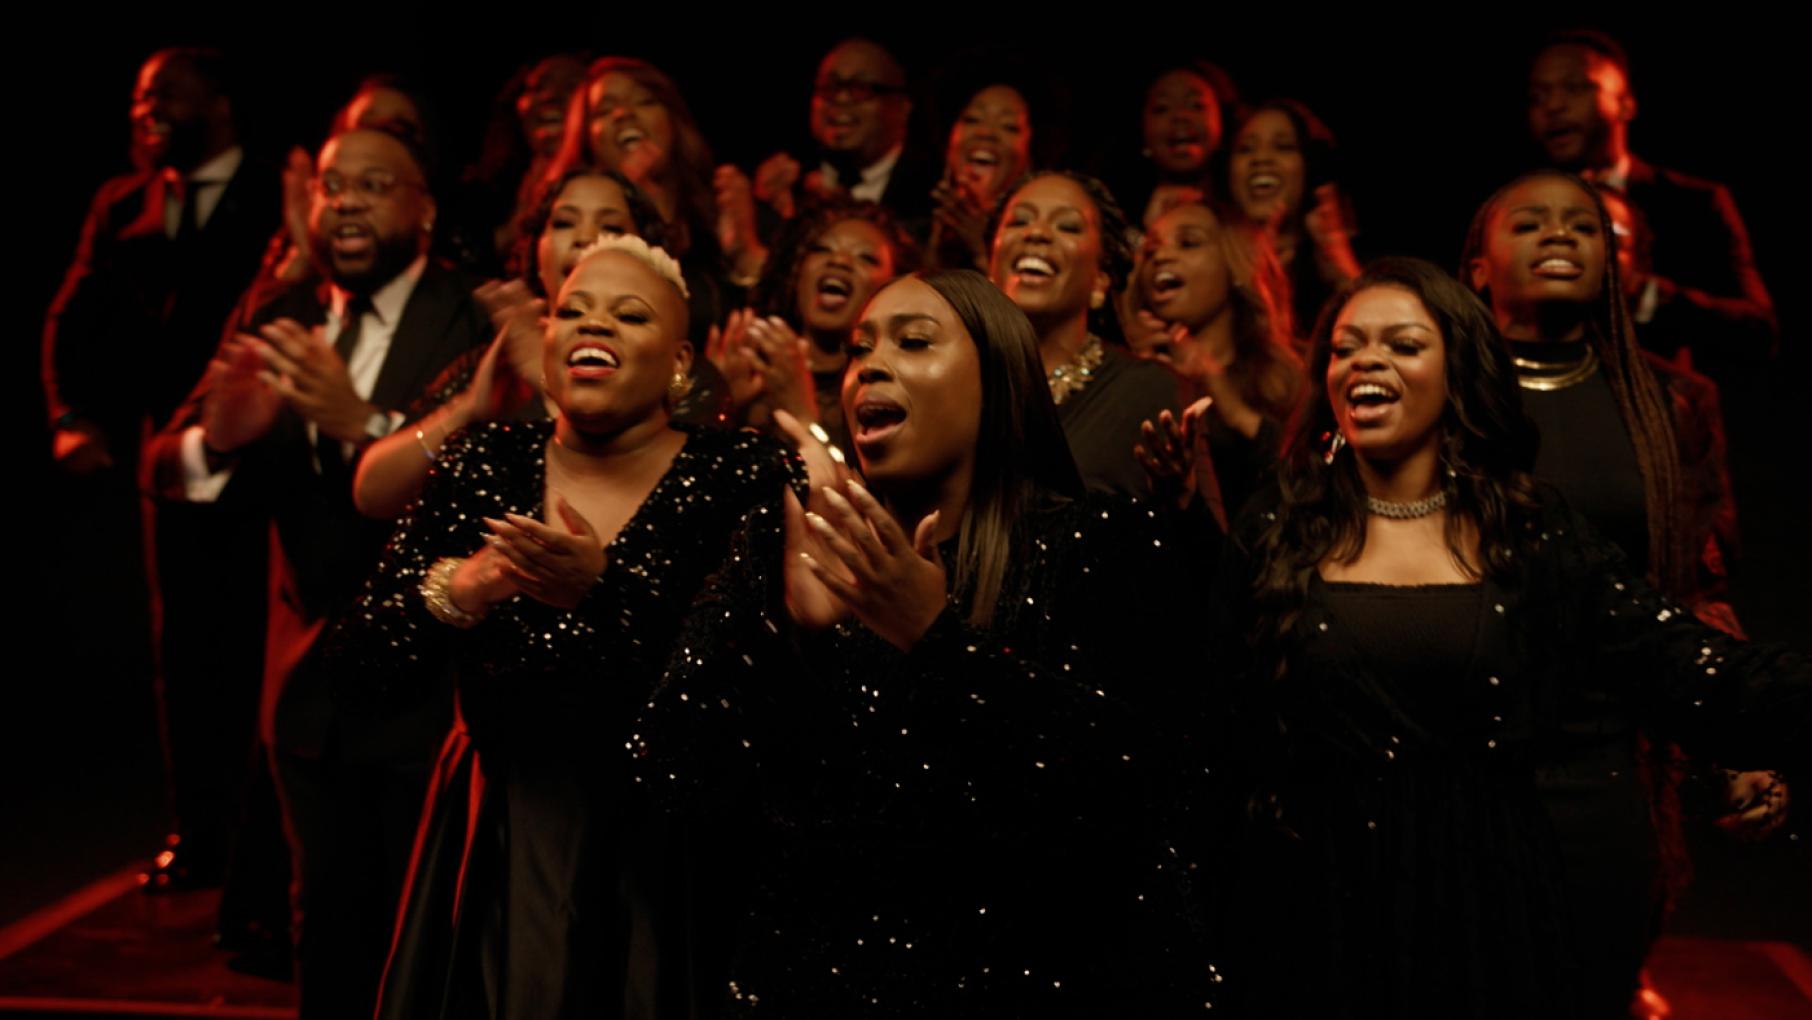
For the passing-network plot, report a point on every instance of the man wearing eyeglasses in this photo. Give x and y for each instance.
(860, 109)
(308, 377)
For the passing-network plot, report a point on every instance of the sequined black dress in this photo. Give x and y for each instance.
(541, 886)
(1400, 860)
(974, 827)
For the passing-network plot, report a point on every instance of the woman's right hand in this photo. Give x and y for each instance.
(960, 211)
(780, 358)
(480, 581)
(727, 348)
(1175, 457)
(810, 602)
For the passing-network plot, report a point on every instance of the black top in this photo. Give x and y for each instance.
(1422, 634)
(1102, 420)
(1400, 854)
(972, 828)
(1586, 451)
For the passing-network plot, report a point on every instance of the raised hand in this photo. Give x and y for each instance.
(774, 181)
(298, 170)
(960, 212)
(735, 211)
(810, 603)
(545, 563)
(304, 369)
(894, 584)
(1174, 454)
(727, 347)
(780, 358)
(825, 465)
(241, 406)
(521, 321)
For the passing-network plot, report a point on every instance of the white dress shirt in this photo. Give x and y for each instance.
(377, 328)
(874, 176)
(204, 185)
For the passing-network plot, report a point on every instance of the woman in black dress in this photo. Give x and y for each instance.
(549, 563)
(1061, 252)
(1635, 445)
(949, 688)
(1422, 623)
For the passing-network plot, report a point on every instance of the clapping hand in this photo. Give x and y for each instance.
(736, 232)
(960, 211)
(774, 180)
(811, 604)
(545, 563)
(302, 367)
(241, 405)
(727, 347)
(780, 358)
(893, 584)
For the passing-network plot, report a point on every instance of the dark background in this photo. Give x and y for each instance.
(1429, 113)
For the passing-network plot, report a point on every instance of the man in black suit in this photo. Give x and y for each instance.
(312, 374)
(165, 254)
(860, 110)
(1703, 288)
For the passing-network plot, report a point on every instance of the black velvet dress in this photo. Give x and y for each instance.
(974, 828)
(1402, 860)
(541, 885)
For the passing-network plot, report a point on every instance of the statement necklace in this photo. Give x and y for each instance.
(1067, 380)
(1547, 375)
(1406, 511)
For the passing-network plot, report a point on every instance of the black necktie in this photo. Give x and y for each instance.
(189, 223)
(328, 451)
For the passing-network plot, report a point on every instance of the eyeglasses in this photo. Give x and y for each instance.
(369, 185)
(857, 90)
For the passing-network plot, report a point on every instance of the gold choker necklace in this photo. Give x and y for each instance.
(1546, 375)
(1066, 380)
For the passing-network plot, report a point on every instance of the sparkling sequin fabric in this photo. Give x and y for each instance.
(563, 871)
(1400, 855)
(973, 828)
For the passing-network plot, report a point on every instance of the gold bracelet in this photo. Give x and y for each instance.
(437, 594)
(423, 442)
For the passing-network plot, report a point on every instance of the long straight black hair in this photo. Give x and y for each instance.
(1022, 459)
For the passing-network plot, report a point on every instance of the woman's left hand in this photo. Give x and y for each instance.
(892, 583)
(549, 565)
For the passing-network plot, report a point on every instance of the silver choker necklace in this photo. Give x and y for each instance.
(1409, 510)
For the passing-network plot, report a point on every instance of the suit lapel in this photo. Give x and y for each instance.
(420, 334)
